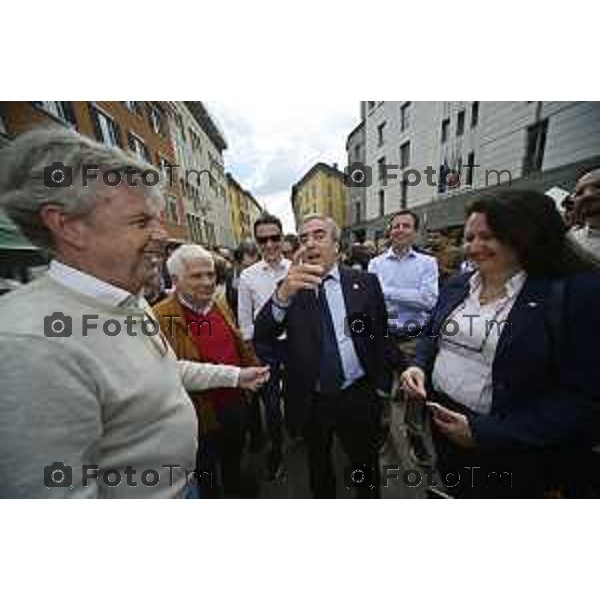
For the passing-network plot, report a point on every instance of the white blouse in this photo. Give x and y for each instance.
(468, 342)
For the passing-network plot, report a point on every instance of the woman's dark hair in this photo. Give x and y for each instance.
(529, 222)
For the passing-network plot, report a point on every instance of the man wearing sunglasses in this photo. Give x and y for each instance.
(257, 285)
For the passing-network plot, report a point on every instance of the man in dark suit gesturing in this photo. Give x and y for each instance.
(337, 379)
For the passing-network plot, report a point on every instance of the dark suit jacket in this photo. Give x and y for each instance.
(363, 296)
(546, 391)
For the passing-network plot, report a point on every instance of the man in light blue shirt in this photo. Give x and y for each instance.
(409, 280)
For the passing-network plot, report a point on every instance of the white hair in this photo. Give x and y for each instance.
(23, 190)
(333, 226)
(178, 261)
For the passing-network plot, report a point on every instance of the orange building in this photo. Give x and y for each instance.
(135, 126)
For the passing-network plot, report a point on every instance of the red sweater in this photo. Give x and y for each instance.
(216, 344)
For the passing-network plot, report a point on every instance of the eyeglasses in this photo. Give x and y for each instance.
(269, 238)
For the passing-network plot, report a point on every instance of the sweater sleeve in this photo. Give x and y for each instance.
(51, 420)
(198, 376)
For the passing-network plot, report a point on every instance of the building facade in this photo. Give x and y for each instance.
(139, 127)
(244, 210)
(433, 157)
(321, 190)
(199, 146)
(356, 150)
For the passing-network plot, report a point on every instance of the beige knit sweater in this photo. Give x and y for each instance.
(113, 409)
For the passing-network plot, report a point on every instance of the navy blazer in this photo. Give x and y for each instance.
(362, 296)
(546, 391)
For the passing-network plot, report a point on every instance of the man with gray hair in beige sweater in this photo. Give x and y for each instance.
(93, 401)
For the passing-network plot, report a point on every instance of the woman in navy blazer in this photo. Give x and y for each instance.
(509, 363)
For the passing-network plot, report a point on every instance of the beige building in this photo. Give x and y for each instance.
(244, 210)
(322, 191)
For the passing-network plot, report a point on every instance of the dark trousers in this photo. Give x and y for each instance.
(219, 456)
(274, 357)
(229, 443)
(354, 416)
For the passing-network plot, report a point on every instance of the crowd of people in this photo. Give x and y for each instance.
(137, 369)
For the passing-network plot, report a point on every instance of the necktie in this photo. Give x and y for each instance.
(331, 372)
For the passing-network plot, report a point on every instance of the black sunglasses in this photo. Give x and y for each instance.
(272, 238)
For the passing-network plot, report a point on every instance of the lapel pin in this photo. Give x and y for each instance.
(532, 304)
(356, 286)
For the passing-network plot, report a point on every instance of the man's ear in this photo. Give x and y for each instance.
(65, 229)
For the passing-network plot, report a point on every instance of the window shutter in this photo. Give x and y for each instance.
(69, 112)
(95, 123)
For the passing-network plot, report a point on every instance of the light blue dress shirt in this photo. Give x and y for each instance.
(410, 286)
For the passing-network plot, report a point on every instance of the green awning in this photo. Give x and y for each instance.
(10, 236)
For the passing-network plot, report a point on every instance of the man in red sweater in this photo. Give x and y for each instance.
(202, 328)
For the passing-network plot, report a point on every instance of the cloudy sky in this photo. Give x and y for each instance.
(273, 144)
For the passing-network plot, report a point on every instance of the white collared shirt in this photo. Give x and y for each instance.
(257, 285)
(195, 309)
(88, 285)
(468, 342)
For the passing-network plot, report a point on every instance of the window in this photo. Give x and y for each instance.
(474, 114)
(380, 134)
(404, 116)
(460, 124)
(134, 106)
(357, 212)
(536, 144)
(210, 234)
(445, 128)
(61, 109)
(442, 178)
(105, 127)
(167, 170)
(381, 203)
(470, 164)
(138, 147)
(195, 227)
(195, 141)
(157, 120)
(172, 214)
(357, 150)
(381, 168)
(405, 155)
(403, 194)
